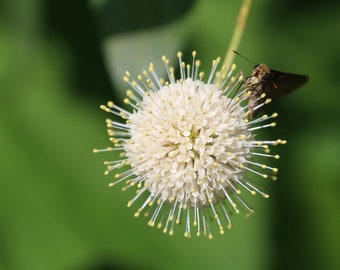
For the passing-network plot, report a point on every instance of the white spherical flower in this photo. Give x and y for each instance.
(189, 146)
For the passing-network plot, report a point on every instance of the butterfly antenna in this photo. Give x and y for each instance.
(248, 60)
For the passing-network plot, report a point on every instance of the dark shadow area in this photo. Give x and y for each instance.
(83, 29)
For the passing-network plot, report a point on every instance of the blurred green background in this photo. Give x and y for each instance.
(59, 60)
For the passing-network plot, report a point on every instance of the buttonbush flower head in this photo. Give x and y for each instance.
(188, 146)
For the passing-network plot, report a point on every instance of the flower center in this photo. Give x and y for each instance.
(188, 143)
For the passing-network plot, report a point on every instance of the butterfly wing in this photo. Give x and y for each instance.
(275, 84)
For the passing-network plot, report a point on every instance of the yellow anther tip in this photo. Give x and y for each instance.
(151, 223)
(268, 100)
